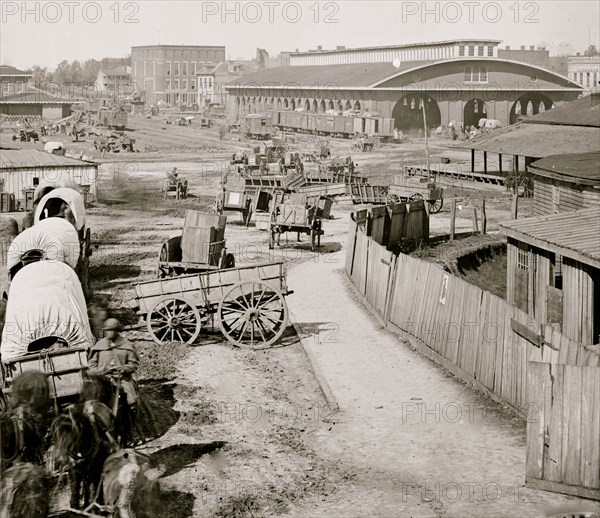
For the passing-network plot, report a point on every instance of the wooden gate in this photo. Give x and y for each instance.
(563, 429)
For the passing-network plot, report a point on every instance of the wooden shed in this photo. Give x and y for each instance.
(553, 271)
(22, 170)
(566, 182)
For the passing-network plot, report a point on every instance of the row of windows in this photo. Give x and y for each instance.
(588, 79)
(174, 68)
(207, 82)
(476, 75)
(187, 54)
(182, 98)
(481, 50)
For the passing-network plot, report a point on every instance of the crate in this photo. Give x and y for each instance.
(7, 202)
(195, 243)
(194, 218)
(28, 199)
(262, 220)
(236, 200)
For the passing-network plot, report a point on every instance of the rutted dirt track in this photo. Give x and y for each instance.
(245, 433)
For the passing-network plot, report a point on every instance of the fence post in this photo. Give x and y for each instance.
(475, 223)
(452, 219)
(514, 208)
(483, 216)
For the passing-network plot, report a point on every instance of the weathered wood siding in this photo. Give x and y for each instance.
(569, 196)
(578, 302)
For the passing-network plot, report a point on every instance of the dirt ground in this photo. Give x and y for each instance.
(237, 429)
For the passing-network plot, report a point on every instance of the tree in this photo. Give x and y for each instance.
(565, 49)
(591, 51)
(62, 75)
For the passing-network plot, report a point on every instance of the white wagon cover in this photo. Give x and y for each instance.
(73, 198)
(55, 236)
(45, 300)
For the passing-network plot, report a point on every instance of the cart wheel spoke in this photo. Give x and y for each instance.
(262, 323)
(173, 319)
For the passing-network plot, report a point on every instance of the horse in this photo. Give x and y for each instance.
(130, 485)
(24, 426)
(25, 491)
(83, 440)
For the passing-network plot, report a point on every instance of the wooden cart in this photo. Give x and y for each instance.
(362, 144)
(366, 193)
(248, 301)
(411, 188)
(200, 247)
(295, 215)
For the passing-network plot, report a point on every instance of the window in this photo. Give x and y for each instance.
(184, 66)
(588, 76)
(468, 74)
(176, 69)
(461, 50)
(522, 260)
(144, 68)
(192, 85)
(184, 98)
(471, 50)
(176, 84)
(194, 68)
(476, 75)
(168, 84)
(557, 273)
(480, 49)
(483, 75)
(184, 84)
(168, 98)
(490, 51)
(168, 68)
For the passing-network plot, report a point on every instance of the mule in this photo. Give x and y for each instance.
(83, 439)
(25, 491)
(25, 424)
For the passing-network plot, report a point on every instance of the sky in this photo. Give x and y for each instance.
(47, 32)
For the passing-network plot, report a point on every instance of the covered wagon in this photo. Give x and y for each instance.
(68, 204)
(46, 327)
(53, 239)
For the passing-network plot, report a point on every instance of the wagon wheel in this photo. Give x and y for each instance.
(392, 199)
(415, 197)
(253, 315)
(173, 319)
(435, 205)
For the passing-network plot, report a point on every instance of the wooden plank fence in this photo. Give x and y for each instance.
(496, 346)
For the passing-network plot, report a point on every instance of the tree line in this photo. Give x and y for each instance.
(76, 72)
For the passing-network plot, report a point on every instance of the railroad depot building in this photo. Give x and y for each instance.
(461, 81)
(22, 170)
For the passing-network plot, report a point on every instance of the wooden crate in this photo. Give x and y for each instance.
(7, 202)
(235, 200)
(195, 244)
(64, 367)
(194, 218)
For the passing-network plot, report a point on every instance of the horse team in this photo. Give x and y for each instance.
(87, 441)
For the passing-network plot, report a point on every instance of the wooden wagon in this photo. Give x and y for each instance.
(295, 214)
(176, 188)
(200, 247)
(408, 188)
(366, 193)
(248, 301)
(46, 328)
(362, 144)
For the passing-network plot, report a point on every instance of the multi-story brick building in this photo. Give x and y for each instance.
(168, 73)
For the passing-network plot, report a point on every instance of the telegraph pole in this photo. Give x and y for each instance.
(426, 139)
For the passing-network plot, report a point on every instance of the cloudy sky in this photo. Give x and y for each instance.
(45, 33)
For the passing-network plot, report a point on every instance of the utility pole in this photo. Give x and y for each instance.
(426, 139)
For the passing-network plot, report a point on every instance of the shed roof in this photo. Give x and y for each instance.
(27, 158)
(35, 97)
(580, 168)
(580, 112)
(350, 75)
(571, 234)
(8, 70)
(536, 140)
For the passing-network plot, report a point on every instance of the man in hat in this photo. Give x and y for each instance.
(118, 359)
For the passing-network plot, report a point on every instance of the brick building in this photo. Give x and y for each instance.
(168, 73)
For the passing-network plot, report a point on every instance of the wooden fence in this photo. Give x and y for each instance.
(497, 347)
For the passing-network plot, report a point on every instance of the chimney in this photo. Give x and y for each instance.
(522, 47)
(507, 47)
(531, 47)
(341, 47)
(595, 98)
(578, 54)
(320, 47)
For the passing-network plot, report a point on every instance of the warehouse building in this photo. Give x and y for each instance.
(22, 170)
(461, 81)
